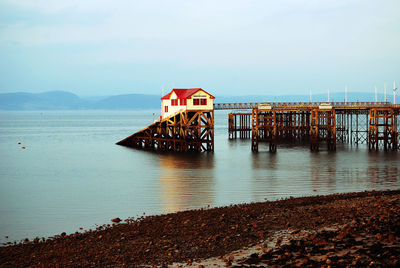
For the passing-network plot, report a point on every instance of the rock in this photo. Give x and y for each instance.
(116, 220)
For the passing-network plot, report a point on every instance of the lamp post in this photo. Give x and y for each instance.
(328, 96)
(385, 93)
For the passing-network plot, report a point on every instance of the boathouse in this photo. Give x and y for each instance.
(180, 99)
(186, 124)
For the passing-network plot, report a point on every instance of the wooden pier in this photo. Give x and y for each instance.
(184, 131)
(318, 124)
(373, 123)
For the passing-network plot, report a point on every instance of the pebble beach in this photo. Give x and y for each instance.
(356, 229)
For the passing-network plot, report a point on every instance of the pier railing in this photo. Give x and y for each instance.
(294, 105)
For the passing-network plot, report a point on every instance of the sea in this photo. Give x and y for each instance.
(71, 176)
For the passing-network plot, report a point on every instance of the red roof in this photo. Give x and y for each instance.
(184, 93)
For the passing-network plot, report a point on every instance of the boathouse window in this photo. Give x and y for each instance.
(203, 101)
(166, 109)
(196, 101)
(174, 102)
(183, 101)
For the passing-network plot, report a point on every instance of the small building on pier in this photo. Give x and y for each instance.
(186, 99)
(186, 124)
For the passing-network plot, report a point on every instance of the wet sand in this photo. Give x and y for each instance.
(357, 229)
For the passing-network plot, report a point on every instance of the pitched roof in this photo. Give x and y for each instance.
(184, 93)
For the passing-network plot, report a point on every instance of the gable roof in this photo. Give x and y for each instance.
(185, 93)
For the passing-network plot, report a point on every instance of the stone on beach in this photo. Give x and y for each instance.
(116, 220)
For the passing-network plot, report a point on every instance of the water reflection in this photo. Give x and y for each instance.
(382, 168)
(187, 181)
(264, 161)
(323, 170)
(264, 179)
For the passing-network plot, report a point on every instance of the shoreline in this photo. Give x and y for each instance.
(192, 236)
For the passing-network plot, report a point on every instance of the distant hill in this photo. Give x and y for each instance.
(54, 100)
(61, 100)
(128, 102)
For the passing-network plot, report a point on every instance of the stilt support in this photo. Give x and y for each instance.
(323, 128)
(382, 129)
(239, 123)
(264, 128)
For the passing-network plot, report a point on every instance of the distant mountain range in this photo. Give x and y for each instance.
(61, 100)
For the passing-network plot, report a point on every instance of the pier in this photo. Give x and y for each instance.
(373, 123)
(187, 124)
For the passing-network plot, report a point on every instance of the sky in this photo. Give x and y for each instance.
(228, 47)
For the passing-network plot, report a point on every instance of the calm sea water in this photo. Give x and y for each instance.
(72, 174)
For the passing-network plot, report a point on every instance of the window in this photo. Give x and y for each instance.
(174, 102)
(183, 101)
(203, 101)
(196, 101)
(166, 109)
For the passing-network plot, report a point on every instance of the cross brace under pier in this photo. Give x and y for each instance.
(185, 131)
(273, 125)
(382, 129)
(378, 127)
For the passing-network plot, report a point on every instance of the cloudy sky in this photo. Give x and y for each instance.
(98, 47)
